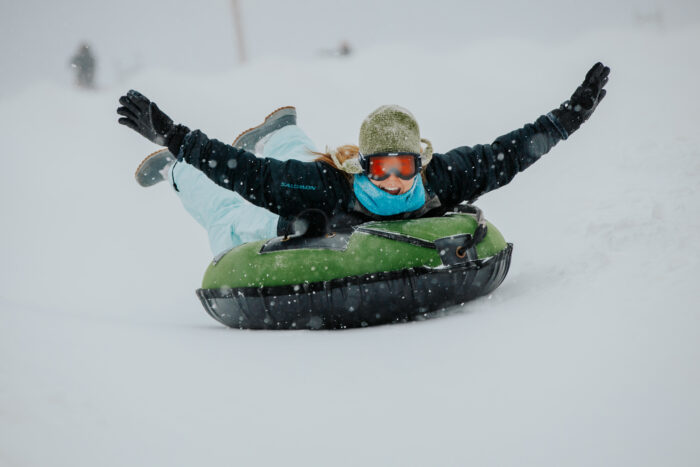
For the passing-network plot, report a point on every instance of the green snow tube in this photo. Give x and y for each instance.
(374, 273)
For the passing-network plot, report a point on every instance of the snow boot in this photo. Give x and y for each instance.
(154, 168)
(279, 118)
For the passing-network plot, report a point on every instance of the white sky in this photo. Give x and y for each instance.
(37, 37)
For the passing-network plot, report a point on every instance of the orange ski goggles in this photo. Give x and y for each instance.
(381, 166)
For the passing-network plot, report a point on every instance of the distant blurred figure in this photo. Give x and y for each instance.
(84, 64)
(655, 18)
(343, 50)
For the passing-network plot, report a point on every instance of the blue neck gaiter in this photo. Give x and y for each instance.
(378, 201)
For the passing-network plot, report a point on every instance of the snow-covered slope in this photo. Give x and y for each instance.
(586, 355)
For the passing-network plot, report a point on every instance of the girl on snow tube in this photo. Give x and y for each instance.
(256, 187)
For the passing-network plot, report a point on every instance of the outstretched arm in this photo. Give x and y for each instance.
(285, 188)
(466, 173)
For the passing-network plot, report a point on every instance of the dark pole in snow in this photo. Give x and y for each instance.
(239, 31)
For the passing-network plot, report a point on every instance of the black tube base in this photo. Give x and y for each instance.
(357, 301)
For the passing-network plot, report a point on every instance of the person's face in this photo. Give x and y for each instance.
(394, 185)
(395, 168)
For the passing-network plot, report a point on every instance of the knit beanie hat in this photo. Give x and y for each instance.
(390, 128)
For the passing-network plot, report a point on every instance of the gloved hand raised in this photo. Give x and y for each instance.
(572, 113)
(144, 117)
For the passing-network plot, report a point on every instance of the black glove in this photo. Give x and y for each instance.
(144, 117)
(572, 113)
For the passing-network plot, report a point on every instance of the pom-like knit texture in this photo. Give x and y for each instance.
(390, 128)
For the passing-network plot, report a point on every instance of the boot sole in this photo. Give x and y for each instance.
(148, 172)
(274, 121)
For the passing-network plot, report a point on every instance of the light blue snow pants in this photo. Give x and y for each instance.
(229, 219)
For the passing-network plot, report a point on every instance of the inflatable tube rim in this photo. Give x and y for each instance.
(368, 278)
(357, 301)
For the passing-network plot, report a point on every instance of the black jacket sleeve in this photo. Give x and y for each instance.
(283, 187)
(466, 173)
